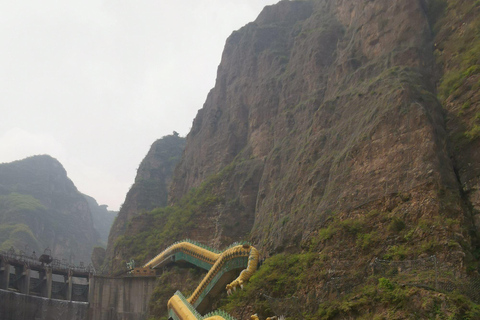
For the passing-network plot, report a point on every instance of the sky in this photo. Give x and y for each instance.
(94, 83)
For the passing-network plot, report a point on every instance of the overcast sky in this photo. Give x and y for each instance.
(94, 83)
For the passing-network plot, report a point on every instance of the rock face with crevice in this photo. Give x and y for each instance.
(334, 105)
(457, 51)
(338, 132)
(322, 109)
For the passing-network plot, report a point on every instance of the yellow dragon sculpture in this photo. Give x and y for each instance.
(217, 264)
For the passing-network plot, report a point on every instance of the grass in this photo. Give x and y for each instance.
(284, 278)
(14, 209)
(15, 202)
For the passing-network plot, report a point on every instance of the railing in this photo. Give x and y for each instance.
(13, 256)
(429, 273)
(32, 261)
(63, 265)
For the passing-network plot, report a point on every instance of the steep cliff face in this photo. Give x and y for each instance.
(150, 189)
(333, 104)
(324, 138)
(40, 207)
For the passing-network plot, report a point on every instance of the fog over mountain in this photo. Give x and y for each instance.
(94, 83)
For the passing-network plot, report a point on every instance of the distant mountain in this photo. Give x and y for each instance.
(41, 208)
(102, 218)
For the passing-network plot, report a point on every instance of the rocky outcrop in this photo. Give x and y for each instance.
(41, 208)
(150, 189)
(333, 103)
(338, 132)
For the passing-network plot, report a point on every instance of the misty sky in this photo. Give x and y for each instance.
(95, 83)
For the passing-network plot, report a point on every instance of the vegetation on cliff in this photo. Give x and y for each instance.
(365, 266)
(16, 208)
(288, 284)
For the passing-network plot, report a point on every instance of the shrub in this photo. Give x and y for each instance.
(396, 225)
(384, 283)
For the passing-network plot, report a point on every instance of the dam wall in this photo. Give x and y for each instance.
(121, 298)
(111, 299)
(17, 306)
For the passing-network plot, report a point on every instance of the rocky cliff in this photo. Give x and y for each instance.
(457, 52)
(337, 133)
(41, 208)
(322, 107)
(150, 189)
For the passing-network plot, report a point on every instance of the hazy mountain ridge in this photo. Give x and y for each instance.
(41, 208)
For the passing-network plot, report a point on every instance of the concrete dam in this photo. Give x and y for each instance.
(31, 290)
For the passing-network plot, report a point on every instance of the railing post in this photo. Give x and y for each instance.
(49, 279)
(5, 275)
(70, 285)
(91, 284)
(25, 281)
